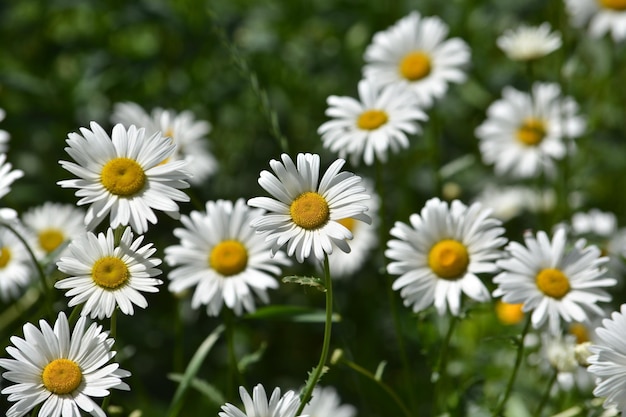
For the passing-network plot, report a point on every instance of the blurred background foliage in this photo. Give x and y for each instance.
(237, 63)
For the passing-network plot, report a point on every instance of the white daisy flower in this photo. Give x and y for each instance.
(223, 257)
(4, 135)
(53, 224)
(189, 135)
(364, 239)
(7, 175)
(105, 274)
(326, 402)
(16, 265)
(603, 16)
(525, 133)
(608, 361)
(507, 202)
(379, 121)
(304, 214)
(259, 406)
(440, 255)
(61, 370)
(415, 53)
(124, 176)
(529, 42)
(552, 281)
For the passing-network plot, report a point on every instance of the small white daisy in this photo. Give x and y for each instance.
(373, 125)
(4, 135)
(304, 214)
(105, 274)
(553, 281)
(223, 257)
(189, 135)
(124, 175)
(16, 265)
(603, 16)
(440, 255)
(60, 369)
(54, 224)
(259, 406)
(507, 202)
(527, 42)
(326, 402)
(415, 53)
(525, 133)
(608, 360)
(7, 175)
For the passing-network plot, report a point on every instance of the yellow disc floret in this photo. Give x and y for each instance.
(50, 239)
(553, 283)
(348, 223)
(448, 259)
(110, 273)
(229, 257)
(613, 4)
(372, 119)
(415, 66)
(509, 313)
(531, 132)
(5, 256)
(61, 376)
(123, 177)
(310, 211)
(580, 331)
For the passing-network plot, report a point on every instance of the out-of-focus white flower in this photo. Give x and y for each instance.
(528, 42)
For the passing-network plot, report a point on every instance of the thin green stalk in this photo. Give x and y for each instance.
(381, 384)
(233, 368)
(546, 394)
(73, 318)
(441, 366)
(317, 372)
(435, 154)
(518, 361)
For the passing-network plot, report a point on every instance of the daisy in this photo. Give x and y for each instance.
(603, 16)
(415, 53)
(62, 370)
(440, 255)
(553, 281)
(189, 135)
(527, 42)
(54, 224)
(509, 314)
(222, 256)
(507, 202)
(379, 121)
(525, 133)
(608, 361)
(259, 406)
(16, 265)
(4, 135)
(124, 176)
(105, 274)
(304, 214)
(7, 175)
(326, 402)
(364, 239)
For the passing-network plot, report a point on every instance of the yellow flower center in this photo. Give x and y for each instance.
(415, 65)
(531, 132)
(50, 239)
(123, 177)
(580, 331)
(310, 211)
(110, 273)
(613, 4)
(229, 257)
(5, 256)
(553, 283)
(448, 259)
(371, 119)
(348, 223)
(509, 313)
(61, 376)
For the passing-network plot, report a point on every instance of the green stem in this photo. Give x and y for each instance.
(518, 362)
(442, 365)
(73, 318)
(317, 372)
(546, 394)
(233, 371)
(381, 384)
(113, 330)
(435, 154)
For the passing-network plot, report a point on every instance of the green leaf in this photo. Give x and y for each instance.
(308, 281)
(208, 390)
(251, 358)
(297, 314)
(192, 370)
(379, 370)
(310, 378)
